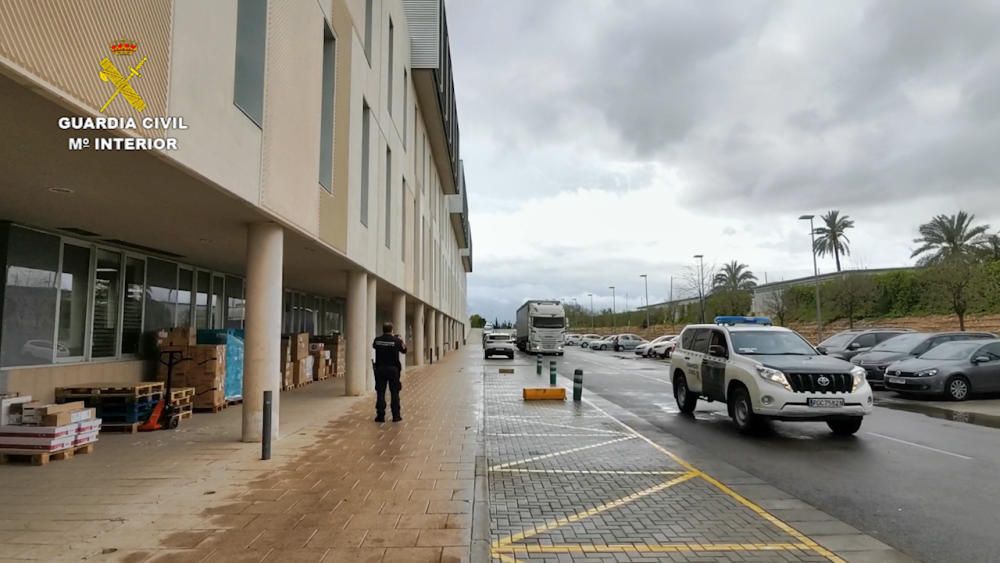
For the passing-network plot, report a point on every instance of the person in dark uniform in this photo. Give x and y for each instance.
(388, 347)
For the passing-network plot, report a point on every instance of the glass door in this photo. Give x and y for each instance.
(217, 312)
(185, 283)
(107, 296)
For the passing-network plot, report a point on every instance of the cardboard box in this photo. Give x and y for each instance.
(40, 444)
(177, 336)
(300, 346)
(64, 418)
(300, 373)
(48, 409)
(38, 431)
(85, 438)
(10, 409)
(92, 425)
(315, 347)
(320, 369)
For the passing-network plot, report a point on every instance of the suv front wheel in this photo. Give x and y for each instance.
(844, 426)
(686, 400)
(741, 410)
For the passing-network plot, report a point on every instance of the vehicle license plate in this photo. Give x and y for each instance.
(826, 403)
(896, 380)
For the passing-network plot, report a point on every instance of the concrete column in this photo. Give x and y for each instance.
(262, 360)
(356, 330)
(373, 331)
(399, 320)
(439, 335)
(432, 331)
(418, 334)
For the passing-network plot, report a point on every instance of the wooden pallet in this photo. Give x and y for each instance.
(110, 390)
(178, 395)
(212, 409)
(186, 415)
(42, 458)
(129, 428)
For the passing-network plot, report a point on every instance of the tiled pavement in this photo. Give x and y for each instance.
(567, 482)
(342, 488)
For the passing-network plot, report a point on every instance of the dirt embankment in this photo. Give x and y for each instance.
(935, 323)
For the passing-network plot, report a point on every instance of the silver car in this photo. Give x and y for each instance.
(954, 370)
(499, 344)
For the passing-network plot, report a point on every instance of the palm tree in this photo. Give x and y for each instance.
(734, 276)
(949, 235)
(831, 238)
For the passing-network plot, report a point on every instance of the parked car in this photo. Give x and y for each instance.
(849, 343)
(605, 343)
(954, 370)
(665, 348)
(646, 349)
(906, 346)
(767, 372)
(499, 344)
(624, 342)
(571, 339)
(42, 349)
(587, 339)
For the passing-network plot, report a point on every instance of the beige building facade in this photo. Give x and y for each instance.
(308, 178)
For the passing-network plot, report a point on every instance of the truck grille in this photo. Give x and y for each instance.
(810, 382)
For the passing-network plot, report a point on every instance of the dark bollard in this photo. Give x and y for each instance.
(265, 439)
(578, 385)
(552, 372)
(538, 364)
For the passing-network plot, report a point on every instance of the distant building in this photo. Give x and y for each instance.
(763, 295)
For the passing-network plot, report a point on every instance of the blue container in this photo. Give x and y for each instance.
(232, 338)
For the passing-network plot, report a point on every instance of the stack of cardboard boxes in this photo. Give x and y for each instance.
(332, 347)
(200, 366)
(28, 427)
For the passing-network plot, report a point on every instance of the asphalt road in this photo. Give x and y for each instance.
(927, 486)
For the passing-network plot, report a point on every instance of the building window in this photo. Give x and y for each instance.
(135, 286)
(74, 291)
(369, 9)
(30, 295)
(391, 66)
(235, 304)
(388, 197)
(161, 295)
(251, 34)
(217, 314)
(326, 110)
(201, 300)
(107, 296)
(365, 157)
(406, 107)
(185, 287)
(405, 201)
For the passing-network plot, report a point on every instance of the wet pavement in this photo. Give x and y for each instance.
(574, 482)
(923, 484)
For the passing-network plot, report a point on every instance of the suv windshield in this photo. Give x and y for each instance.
(838, 340)
(547, 322)
(952, 351)
(902, 343)
(770, 343)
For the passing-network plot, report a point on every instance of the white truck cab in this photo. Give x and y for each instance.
(765, 372)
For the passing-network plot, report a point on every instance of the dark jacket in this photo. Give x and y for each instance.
(388, 347)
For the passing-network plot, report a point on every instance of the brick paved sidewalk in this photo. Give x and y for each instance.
(568, 482)
(344, 489)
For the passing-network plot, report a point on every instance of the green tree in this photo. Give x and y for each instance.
(734, 276)
(946, 236)
(955, 278)
(853, 294)
(477, 321)
(831, 237)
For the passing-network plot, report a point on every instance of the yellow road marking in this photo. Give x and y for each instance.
(586, 471)
(646, 548)
(799, 536)
(505, 558)
(560, 522)
(564, 452)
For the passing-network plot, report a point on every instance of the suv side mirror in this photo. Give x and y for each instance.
(717, 351)
(854, 346)
(821, 349)
(980, 359)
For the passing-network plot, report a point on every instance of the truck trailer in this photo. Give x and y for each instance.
(541, 325)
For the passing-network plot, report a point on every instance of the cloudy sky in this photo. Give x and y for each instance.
(603, 140)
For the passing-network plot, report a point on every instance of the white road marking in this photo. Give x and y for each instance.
(651, 378)
(564, 452)
(918, 445)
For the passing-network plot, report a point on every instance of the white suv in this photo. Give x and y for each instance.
(764, 372)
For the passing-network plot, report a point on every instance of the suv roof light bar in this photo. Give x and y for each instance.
(736, 320)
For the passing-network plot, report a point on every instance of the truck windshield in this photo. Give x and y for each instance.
(767, 342)
(547, 322)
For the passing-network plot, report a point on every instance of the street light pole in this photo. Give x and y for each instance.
(812, 236)
(591, 295)
(614, 321)
(701, 284)
(645, 281)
